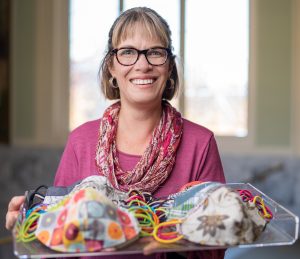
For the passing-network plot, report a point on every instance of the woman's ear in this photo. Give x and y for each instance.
(110, 67)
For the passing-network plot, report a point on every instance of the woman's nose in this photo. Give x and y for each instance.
(142, 62)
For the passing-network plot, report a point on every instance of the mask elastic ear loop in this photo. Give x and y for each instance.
(146, 225)
(167, 237)
(26, 229)
(146, 217)
(264, 211)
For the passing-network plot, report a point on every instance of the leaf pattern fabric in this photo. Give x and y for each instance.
(222, 218)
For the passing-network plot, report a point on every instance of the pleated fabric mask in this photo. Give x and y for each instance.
(86, 221)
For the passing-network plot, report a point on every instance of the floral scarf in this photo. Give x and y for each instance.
(155, 164)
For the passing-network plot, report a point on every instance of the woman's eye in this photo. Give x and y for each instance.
(155, 53)
(126, 52)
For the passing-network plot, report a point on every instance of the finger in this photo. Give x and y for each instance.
(16, 203)
(11, 218)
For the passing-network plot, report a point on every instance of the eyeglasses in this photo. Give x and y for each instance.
(129, 56)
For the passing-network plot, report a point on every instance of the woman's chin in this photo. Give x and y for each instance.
(146, 100)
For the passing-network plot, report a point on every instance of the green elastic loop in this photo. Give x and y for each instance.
(24, 234)
(145, 233)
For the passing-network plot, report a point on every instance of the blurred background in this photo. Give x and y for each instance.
(241, 63)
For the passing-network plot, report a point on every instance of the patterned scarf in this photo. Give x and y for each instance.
(155, 164)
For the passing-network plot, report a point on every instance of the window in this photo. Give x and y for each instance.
(216, 65)
(214, 47)
(90, 21)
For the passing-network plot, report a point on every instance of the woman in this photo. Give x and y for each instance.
(141, 141)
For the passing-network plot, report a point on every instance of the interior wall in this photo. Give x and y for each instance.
(23, 69)
(40, 72)
(273, 72)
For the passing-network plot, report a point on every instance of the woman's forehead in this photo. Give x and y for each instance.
(141, 31)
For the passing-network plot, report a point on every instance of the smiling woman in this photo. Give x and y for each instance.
(141, 141)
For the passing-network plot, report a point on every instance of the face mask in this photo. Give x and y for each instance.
(86, 221)
(181, 203)
(221, 218)
(55, 194)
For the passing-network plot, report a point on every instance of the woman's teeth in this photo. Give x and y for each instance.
(142, 81)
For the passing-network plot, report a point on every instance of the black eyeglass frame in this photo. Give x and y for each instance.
(144, 51)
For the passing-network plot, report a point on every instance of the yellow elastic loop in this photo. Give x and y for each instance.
(265, 213)
(166, 241)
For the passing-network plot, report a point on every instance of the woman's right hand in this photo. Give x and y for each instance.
(13, 211)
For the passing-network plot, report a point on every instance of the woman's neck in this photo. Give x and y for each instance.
(135, 127)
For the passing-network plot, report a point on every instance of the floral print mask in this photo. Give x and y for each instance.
(222, 218)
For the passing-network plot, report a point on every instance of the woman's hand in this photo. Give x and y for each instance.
(151, 245)
(13, 211)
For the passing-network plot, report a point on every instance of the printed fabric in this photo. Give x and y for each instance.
(86, 221)
(97, 182)
(222, 218)
(155, 164)
(181, 203)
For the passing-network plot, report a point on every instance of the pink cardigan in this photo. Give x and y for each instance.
(197, 159)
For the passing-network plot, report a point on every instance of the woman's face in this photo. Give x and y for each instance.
(141, 83)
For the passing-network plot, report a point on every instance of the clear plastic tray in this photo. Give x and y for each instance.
(282, 230)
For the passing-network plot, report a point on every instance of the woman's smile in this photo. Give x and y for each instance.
(143, 82)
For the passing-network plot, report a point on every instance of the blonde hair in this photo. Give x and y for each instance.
(122, 28)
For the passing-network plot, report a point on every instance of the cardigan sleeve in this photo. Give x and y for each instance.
(211, 168)
(68, 166)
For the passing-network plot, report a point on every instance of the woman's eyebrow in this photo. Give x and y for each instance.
(133, 47)
(127, 46)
